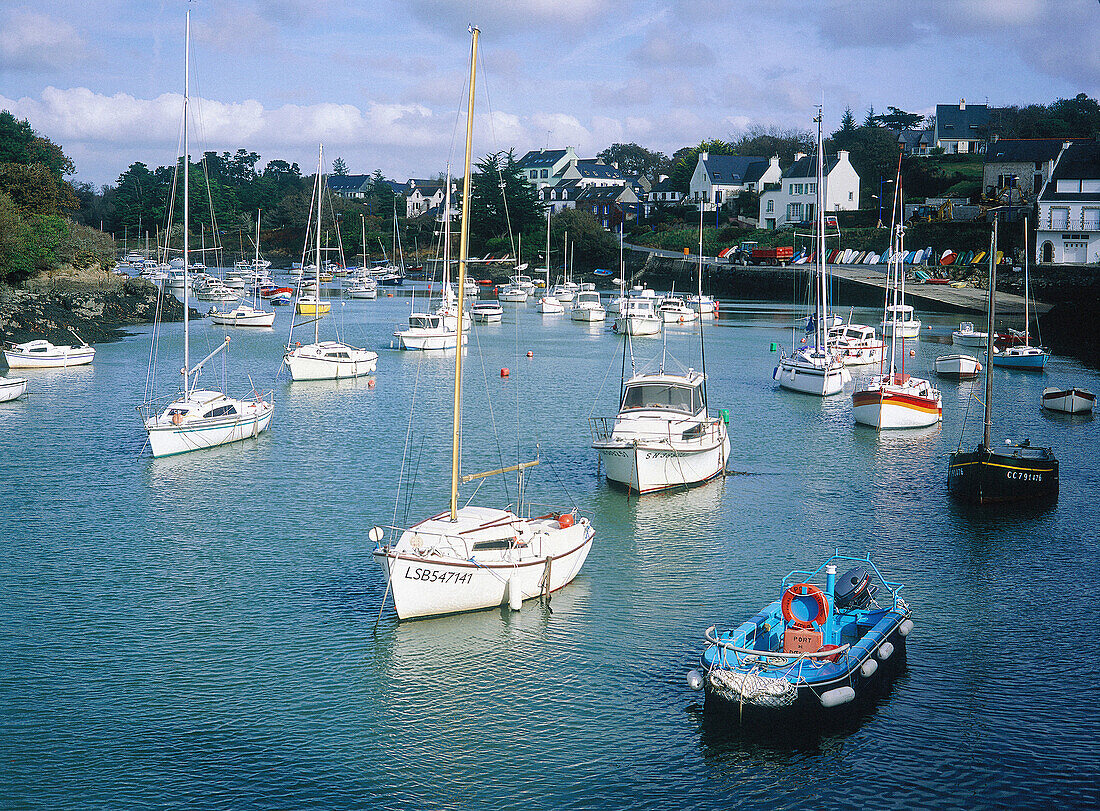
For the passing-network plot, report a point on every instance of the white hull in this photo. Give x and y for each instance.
(887, 415)
(811, 379)
(311, 363)
(57, 357)
(1070, 401)
(959, 367)
(363, 294)
(11, 388)
(671, 317)
(170, 440)
(635, 325)
(430, 586)
(426, 341)
(256, 319)
(588, 314)
(861, 355)
(550, 306)
(976, 340)
(488, 318)
(906, 329)
(513, 296)
(649, 469)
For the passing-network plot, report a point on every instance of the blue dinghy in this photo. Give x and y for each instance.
(815, 649)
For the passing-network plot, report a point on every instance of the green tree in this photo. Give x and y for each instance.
(897, 119)
(339, 167)
(871, 120)
(635, 160)
(847, 121)
(774, 141)
(502, 202)
(590, 245)
(686, 158)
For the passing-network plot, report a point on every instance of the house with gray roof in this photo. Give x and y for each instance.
(424, 195)
(591, 172)
(719, 178)
(540, 166)
(610, 205)
(560, 197)
(917, 143)
(1068, 231)
(794, 200)
(958, 127)
(1016, 169)
(349, 186)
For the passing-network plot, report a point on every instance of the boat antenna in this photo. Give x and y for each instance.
(317, 299)
(989, 338)
(463, 246)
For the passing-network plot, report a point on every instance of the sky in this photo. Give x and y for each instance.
(382, 84)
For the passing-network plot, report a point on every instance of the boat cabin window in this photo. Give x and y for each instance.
(501, 543)
(343, 355)
(220, 411)
(424, 321)
(687, 399)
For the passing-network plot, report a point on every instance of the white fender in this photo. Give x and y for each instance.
(868, 668)
(834, 698)
(695, 680)
(905, 628)
(885, 651)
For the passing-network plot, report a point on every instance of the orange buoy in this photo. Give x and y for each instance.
(504, 372)
(370, 383)
(530, 354)
(389, 295)
(912, 353)
(565, 520)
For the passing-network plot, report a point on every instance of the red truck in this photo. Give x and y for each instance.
(750, 254)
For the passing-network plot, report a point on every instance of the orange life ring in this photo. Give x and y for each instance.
(177, 418)
(805, 590)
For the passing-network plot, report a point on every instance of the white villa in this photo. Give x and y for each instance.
(796, 197)
(718, 178)
(1069, 207)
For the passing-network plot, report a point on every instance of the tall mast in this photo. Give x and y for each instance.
(699, 304)
(186, 221)
(363, 239)
(446, 239)
(564, 260)
(819, 305)
(317, 296)
(463, 245)
(989, 338)
(1027, 292)
(548, 246)
(256, 255)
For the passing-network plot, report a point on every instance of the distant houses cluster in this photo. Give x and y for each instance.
(1059, 180)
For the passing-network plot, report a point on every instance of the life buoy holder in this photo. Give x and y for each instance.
(804, 590)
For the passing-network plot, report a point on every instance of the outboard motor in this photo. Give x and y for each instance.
(853, 589)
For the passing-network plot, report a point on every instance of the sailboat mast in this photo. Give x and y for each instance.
(363, 240)
(819, 305)
(989, 339)
(699, 304)
(446, 238)
(463, 246)
(186, 220)
(317, 295)
(1027, 292)
(548, 247)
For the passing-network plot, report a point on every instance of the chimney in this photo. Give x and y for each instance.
(841, 156)
(704, 155)
(773, 161)
(962, 104)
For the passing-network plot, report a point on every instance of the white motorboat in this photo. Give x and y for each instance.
(958, 366)
(364, 288)
(522, 282)
(588, 307)
(198, 418)
(857, 344)
(1068, 401)
(674, 310)
(513, 294)
(901, 319)
(638, 315)
(427, 331)
(472, 558)
(243, 315)
(41, 354)
(814, 368)
(706, 306)
(12, 388)
(966, 335)
(563, 294)
(487, 312)
(662, 436)
(896, 399)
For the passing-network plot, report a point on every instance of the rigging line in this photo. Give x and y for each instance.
(489, 402)
(607, 374)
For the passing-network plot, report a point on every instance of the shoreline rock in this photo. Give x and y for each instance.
(98, 311)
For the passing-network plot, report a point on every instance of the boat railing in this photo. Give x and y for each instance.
(806, 576)
(709, 430)
(711, 635)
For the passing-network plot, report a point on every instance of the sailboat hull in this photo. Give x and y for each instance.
(984, 477)
(431, 586)
(166, 439)
(807, 379)
(12, 388)
(885, 409)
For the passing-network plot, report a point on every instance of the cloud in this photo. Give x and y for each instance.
(33, 41)
(510, 17)
(663, 48)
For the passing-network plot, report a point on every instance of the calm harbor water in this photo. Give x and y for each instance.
(200, 631)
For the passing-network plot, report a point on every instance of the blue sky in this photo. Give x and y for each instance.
(379, 82)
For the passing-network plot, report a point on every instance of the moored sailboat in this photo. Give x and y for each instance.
(470, 558)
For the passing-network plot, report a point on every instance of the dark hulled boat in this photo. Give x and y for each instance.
(1018, 473)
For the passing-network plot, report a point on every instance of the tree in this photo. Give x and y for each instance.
(380, 199)
(591, 246)
(773, 141)
(502, 202)
(686, 159)
(847, 121)
(635, 160)
(339, 168)
(897, 119)
(871, 120)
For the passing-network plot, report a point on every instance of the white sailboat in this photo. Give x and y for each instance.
(325, 360)
(815, 368)
(363, 286)
(1023, 356)
(245, 314)
(471, 558)
(199, 418)
(894, 399)
(12, 388)
(41, 354)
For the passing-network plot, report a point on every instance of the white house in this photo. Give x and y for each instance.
(423, 195)
(560, 197)
(718, 178)
(1069, 207)
(541, 166)
(795, 198)
(590, 172)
